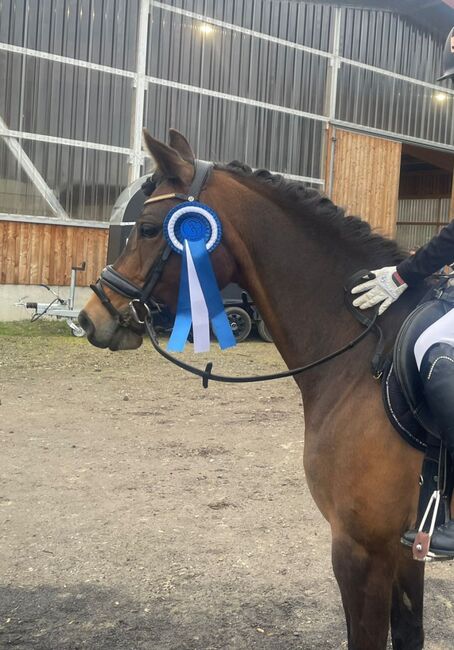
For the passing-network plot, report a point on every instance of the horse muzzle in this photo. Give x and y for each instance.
(112, 334)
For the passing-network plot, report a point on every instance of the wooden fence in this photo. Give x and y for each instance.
(34, 253)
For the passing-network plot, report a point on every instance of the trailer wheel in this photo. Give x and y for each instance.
(263, 332)
(240, 322)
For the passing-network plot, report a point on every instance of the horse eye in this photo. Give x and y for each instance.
(149, 230)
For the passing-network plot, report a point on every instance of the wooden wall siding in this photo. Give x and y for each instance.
(366, 178)
(32, 253)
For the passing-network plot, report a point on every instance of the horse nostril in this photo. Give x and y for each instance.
(86, 323)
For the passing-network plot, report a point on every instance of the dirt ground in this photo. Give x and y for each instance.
(139, 511)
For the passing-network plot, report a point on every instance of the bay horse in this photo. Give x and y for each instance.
(292, 249)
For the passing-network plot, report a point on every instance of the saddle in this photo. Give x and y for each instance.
(409, 414)
(402, 388)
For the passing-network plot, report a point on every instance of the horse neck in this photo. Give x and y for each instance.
(295, 272)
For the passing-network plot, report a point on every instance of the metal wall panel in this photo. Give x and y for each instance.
(86, 182)
(390, 41)
(223, 131)
(57, 99)
(424, 210)
(371, 99)
(18, 195)
(100, 31)
(421, 219)
(66, 101)
(238, 64)
(411, 236)
(304, 23)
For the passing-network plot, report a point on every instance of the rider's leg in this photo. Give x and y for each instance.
(434, 354)
(437, 374)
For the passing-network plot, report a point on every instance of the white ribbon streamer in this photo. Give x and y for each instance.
(199, 309)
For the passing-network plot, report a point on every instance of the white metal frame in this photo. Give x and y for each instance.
(141, 81)
(31, 171)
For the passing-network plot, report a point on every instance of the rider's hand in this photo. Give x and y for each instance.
(385, 288)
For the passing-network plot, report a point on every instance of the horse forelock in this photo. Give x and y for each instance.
(323, 214)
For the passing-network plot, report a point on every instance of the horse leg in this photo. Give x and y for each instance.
(365, 579)
(407, 604)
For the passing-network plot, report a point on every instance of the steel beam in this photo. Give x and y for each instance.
(140, 85)
(33, 174)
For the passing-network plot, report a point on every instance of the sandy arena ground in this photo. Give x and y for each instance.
(139, 511)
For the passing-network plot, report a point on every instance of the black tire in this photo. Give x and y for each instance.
(263, 332)
(240, 322)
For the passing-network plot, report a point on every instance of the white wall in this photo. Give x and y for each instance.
(12, 293)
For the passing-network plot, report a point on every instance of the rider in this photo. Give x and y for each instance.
(434, 349)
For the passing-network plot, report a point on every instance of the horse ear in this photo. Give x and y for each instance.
(168, 160)
(178, 142)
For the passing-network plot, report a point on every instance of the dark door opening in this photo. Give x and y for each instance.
(425, 195)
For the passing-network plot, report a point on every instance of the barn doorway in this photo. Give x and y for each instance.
(425, 202)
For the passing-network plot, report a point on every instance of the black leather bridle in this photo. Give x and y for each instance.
(141, 299)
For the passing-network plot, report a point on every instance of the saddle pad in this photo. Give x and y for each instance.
(399, 413)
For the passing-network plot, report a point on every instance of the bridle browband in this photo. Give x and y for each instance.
(142, 302)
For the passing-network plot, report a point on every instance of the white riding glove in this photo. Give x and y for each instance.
(385, 288)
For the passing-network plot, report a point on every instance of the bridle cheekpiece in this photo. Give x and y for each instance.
(142, 302)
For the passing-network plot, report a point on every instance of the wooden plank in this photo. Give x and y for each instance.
(3, 240)
(11, 251)
(46, 258)
(34, 270)
(366, 178)
(24, 253)
(60, 261)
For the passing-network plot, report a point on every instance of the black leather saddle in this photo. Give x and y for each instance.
(404, 364)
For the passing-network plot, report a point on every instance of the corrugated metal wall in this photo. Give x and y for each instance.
(389, 41)
(244, 79)
(239, 57)
(418, 220)
(366, 178)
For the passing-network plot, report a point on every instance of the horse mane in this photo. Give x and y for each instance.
(323, 212)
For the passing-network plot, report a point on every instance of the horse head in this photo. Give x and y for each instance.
(146, 263)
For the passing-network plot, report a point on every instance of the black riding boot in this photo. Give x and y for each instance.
(437, 374)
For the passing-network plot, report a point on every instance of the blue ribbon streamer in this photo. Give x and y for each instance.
(183, 319)
(213, 299)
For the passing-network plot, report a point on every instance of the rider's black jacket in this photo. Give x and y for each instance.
(428, 259)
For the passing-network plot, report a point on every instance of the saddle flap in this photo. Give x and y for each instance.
(404, 362)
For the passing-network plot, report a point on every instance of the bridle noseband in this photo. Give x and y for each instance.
(141, 299)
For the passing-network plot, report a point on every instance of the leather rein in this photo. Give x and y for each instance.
(142, 303)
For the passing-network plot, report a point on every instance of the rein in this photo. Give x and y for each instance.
(207, 375)
(141, 299)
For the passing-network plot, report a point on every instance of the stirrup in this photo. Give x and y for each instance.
(421, 544)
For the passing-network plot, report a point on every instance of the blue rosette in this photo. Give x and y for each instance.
(193, 230)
